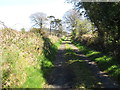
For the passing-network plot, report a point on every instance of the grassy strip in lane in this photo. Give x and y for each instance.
(38, 75)
(106, 63)
(83, 76)
(49, 52)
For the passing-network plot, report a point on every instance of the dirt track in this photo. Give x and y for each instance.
(62, 76)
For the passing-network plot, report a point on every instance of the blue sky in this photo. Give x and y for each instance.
(15, 13)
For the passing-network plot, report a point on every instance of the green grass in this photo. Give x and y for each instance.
(35, 78)
(84, 78)
(49, 53)
(105, 62)
(38, 76)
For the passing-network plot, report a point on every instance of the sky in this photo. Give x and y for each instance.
(15, 13)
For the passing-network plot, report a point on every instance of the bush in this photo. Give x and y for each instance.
(19, 51)
(26, 58)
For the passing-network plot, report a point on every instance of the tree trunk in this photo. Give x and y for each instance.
(101, 38)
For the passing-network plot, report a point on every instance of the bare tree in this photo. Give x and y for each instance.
(70, 18)
(39, 19)
(3, 24)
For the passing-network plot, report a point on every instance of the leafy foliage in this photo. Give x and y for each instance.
(105, 18)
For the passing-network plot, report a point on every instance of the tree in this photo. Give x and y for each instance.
(51, 22)
(105, 17)
(71, 18)
(58, 26)
(57, 23)
(23, 30)
(3, 24)
(39, 19)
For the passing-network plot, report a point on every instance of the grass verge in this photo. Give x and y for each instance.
(23, 57)
(49, 53)
(106, 63)
(38, 76)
